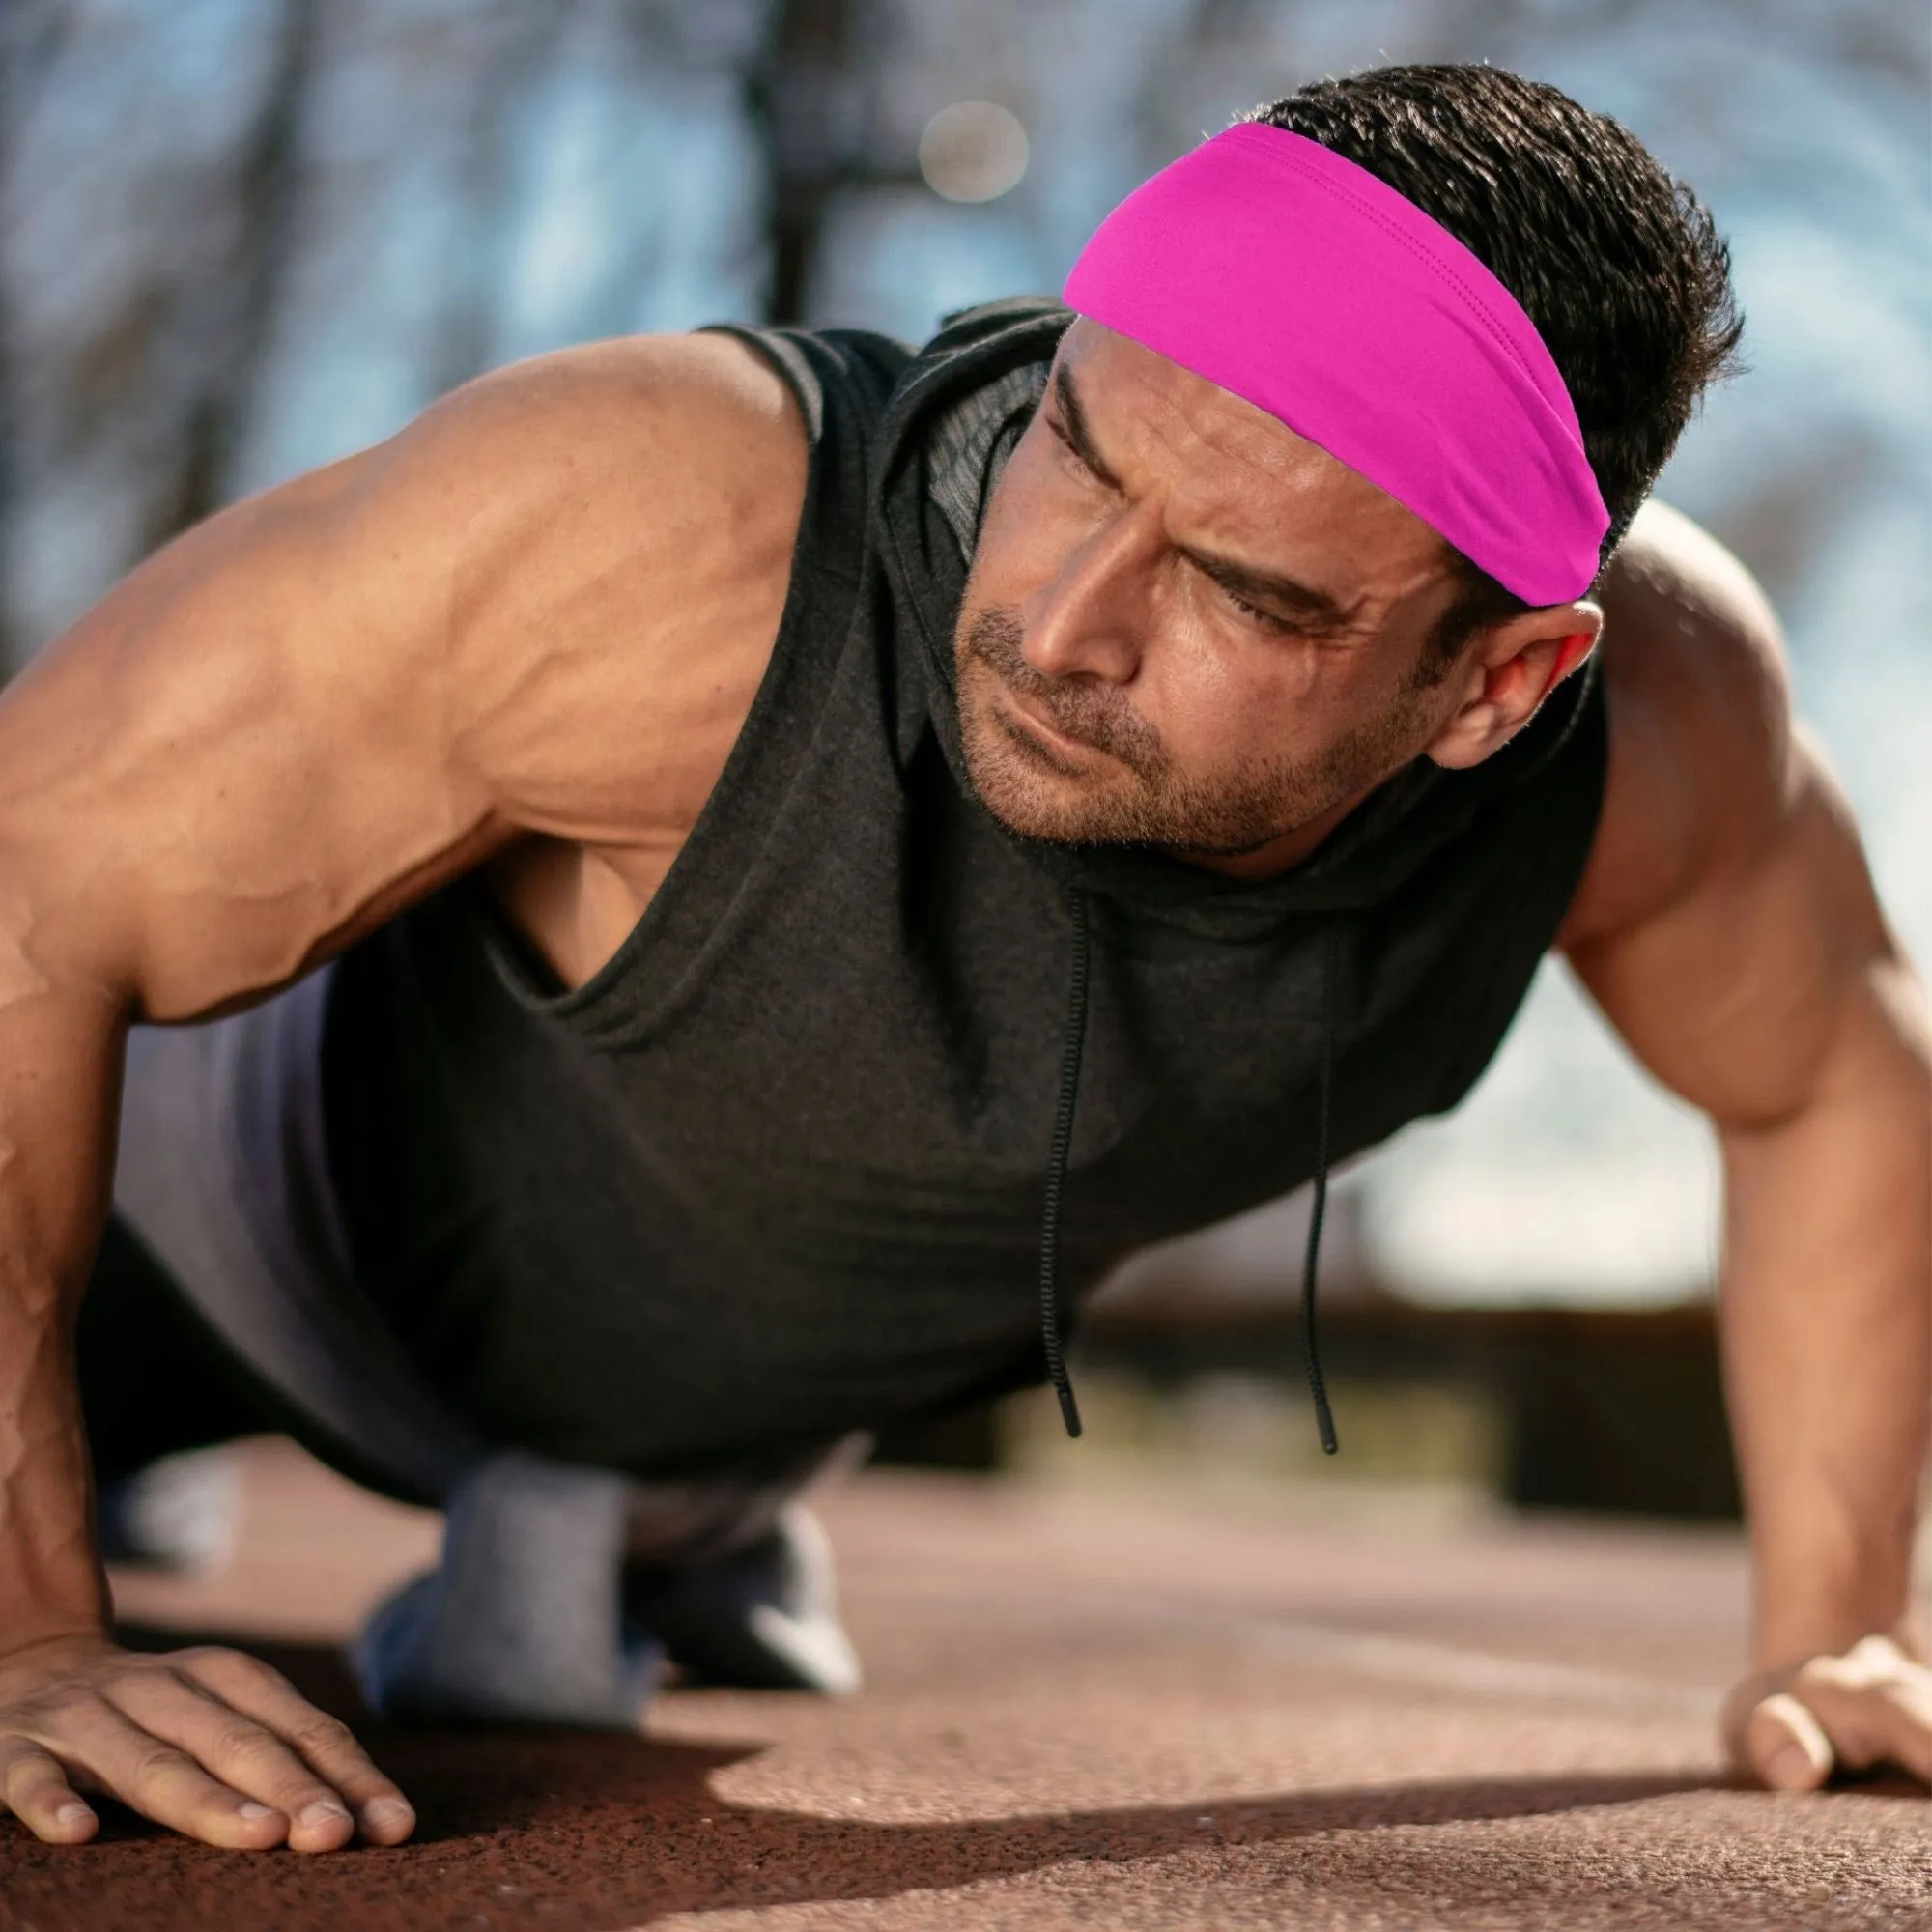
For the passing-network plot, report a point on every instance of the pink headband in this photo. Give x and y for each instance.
(1304, 284)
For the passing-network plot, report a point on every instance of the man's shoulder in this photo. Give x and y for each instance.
(697, 377)
(1698, 695)
(616, 524)
(680, 422)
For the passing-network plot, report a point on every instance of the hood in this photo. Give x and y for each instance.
(953, 417)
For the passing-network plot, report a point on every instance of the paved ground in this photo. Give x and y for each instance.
(1113, 1707)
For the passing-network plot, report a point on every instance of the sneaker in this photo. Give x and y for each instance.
(181, 1513)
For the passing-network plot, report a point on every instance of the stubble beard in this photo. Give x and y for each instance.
(1142, 800)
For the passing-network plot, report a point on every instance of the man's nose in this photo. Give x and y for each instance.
(1091, 618)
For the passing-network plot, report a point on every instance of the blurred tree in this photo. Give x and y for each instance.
(249, 283)
(147, 205)
(512, 44)
(29, 33)
(812, 90)
(806, 107)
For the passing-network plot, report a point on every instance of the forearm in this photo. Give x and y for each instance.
(1827, 1324)
(59, 1067)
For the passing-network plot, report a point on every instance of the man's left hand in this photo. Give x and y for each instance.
(1872, 1705)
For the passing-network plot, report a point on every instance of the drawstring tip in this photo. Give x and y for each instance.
(1311, 1265)
(1070, 1413)
(1062, 1146)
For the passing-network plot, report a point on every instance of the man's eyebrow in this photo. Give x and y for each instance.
(1079, 433)
(1268, 586)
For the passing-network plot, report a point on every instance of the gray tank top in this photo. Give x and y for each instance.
(776, 1171)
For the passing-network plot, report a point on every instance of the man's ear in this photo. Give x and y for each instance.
(1514, 667)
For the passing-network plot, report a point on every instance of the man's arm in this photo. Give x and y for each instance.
(1728, 928)
(533, 621)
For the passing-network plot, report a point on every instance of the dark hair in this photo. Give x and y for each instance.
(1616, 262)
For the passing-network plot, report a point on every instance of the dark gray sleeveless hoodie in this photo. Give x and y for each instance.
(778, 1171)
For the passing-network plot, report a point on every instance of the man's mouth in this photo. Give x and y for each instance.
(1023, 721)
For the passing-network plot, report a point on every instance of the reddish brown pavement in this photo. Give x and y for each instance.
(1107, 1707)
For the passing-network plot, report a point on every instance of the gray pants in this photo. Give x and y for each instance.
(562, 1590)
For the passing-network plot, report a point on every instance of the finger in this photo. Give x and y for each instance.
(1785, 1745)
(1905, 1732)
(258, 1692)
(1871, 1722)
(34, 1787)
(244, 1754)
(158, 1780)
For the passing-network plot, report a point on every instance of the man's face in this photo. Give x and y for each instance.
(1187, 626)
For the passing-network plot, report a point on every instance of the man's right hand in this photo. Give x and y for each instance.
(209, 1741)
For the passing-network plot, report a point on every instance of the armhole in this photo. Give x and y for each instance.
(794, 370)
(672, 930)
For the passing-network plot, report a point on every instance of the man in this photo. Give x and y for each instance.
(749, 924)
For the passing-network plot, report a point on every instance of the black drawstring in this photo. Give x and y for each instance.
(1311, 1354)
(1073, 1041)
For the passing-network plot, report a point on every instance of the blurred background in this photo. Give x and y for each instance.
(239, 237)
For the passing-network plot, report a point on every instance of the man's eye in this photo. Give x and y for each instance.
(1065, 442)
(1266, 618)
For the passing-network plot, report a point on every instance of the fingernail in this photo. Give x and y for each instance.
(250, 1810)
(322, 1812)
(71, 1815)
(387, 1811)
(1788, 1765)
